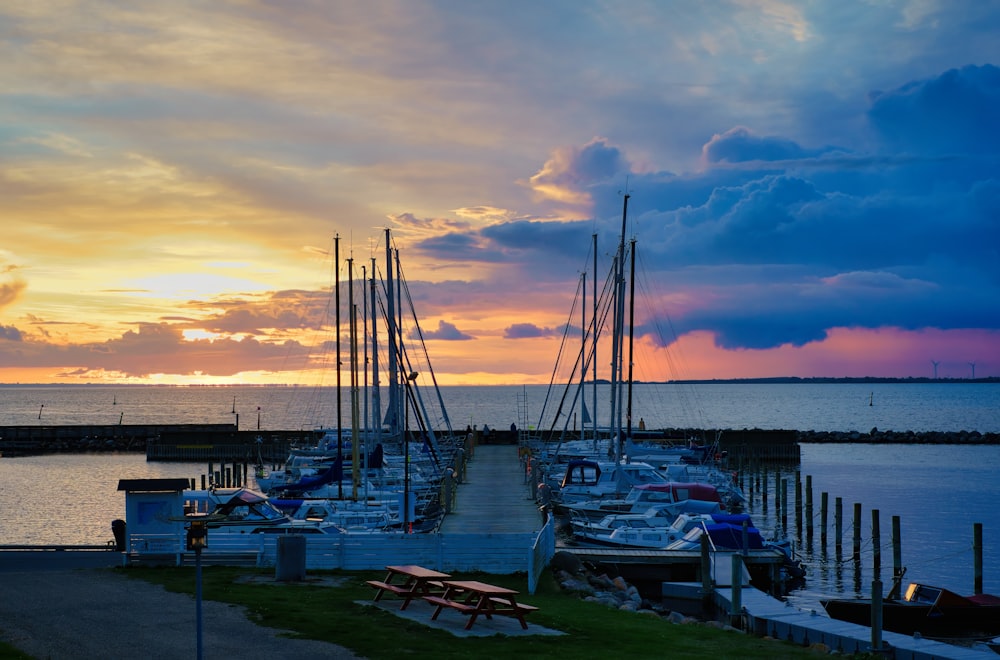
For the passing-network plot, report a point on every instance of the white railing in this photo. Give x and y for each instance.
(500, 554)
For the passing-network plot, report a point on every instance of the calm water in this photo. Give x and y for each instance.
(938, 491)
(819, 407)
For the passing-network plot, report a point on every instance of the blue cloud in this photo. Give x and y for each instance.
(955, 112)
(446, 332)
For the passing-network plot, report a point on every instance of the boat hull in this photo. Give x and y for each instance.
(949, 622)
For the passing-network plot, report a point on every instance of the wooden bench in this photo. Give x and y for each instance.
(385, 586)
(521, 607)
(441, 602)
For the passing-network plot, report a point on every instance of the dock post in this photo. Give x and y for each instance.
(977, 558)
(784, 506)
(824, 502)
(897, 556)
(838, 522)
(856, 556)
(876, 546)
(876, 618)
(798, 504)
(763, 490)
(736, 598)
(706, 577)
(809, 510)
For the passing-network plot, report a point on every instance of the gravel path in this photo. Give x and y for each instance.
(99, 613)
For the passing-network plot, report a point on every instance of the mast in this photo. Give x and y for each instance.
(390, 314)
(355, 430)
(340, 423)
(616, 349)
(364, 386)
(631, 333)
(594, 342)
(401, 356)
(376, 392)
(583, 354)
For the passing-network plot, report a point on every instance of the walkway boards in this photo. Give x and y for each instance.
(769, 616)
(494, 497)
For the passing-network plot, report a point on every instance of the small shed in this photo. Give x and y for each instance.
(152, 507)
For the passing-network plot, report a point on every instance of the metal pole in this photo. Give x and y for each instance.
(197, 598)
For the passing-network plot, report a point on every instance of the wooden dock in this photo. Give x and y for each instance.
(767, 616)
(494, 498)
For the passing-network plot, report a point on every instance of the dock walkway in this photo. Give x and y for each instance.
(494, 497)
(768, 616)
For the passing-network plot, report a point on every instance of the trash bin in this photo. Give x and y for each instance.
(290, 564)
(118, 529)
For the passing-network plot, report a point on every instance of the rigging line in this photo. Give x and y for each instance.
(602, 305)
(559, 355)
(405, 286)
(670, 349)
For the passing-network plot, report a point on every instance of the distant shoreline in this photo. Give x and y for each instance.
(775, 380)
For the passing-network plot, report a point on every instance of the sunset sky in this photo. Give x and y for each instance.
(815, 186)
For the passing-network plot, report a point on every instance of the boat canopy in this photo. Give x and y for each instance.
(692, 490)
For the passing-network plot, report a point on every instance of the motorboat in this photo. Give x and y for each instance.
(245, 511)
(587, 480)
(688, 497)
(930, 611)
(654, 529)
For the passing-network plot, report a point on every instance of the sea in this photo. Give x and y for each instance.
(938, 492)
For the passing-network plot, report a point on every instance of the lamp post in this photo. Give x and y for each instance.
(197, 540)
(412, 376)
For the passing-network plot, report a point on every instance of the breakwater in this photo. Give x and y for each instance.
(224, 442)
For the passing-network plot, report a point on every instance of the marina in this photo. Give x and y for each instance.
(879, 476)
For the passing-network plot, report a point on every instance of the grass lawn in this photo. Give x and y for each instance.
(330, 613)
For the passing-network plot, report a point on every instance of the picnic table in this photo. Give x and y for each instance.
(475, 598)
(408, 582)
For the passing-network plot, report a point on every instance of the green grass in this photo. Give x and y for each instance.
(330, 613)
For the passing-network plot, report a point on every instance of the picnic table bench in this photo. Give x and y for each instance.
(474, 598)
(416, 581)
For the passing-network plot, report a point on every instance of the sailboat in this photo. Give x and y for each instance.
(411, 456)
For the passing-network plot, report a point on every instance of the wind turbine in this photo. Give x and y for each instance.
(973, 365)
(935, 363)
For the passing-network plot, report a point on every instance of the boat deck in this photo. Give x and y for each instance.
(494, 497)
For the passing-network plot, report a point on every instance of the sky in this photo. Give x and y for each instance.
(813, 187)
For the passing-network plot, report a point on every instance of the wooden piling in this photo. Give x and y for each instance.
(809, 508)
(856, 555)
(838, 521)
(876, 545)
(824, 501)
(784, 506)
(977, 558)
(897, 556)
(798, 503)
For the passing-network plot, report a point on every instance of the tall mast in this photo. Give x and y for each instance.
(594, 342)
(583, 355)
(390, 314)
(376, 392)
(621, 321)
(631, 333)
(340, 419)
(617, 357)
(401, 357)
(364, 385)
(355, 430)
